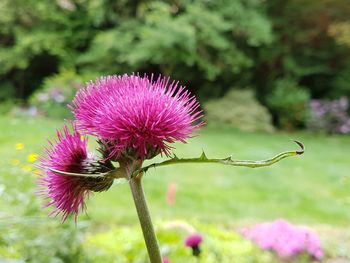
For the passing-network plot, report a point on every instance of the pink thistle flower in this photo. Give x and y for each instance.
(136, 115)
(68, 193)
(193, 241)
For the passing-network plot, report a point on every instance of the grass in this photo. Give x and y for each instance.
(312, 189)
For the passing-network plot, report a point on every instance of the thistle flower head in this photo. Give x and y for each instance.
(68, 193)
(135, 115)
(193, 240)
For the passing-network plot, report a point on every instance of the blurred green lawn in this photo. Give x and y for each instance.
(311, 189)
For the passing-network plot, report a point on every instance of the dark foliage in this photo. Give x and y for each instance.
(207, 45)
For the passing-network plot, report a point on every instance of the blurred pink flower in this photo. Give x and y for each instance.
(170, 194)
(285, 239)
(137, 115)
(193, 240)
(166, 259)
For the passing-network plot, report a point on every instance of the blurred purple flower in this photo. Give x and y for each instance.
(193, 241)
(57, 95)
(330, 115)
(136, 115)
(285, 239)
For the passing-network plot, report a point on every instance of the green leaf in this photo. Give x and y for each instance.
(225, 161)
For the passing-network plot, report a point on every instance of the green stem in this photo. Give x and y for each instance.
(145, 220)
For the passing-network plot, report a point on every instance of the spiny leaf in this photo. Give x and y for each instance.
(226, 161)
(203, 156)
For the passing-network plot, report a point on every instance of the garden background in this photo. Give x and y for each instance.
(264, 71)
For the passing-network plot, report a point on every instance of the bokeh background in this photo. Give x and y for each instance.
(264, 71)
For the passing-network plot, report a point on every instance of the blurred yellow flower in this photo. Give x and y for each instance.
(32, 157)
(14, 162)
(27, 168)
(19, 146)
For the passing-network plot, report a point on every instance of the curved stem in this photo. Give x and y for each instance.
(145, 220)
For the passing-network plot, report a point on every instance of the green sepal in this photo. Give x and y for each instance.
(80, 174)
(116, 174)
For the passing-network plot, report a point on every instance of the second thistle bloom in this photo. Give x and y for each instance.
(136, 115)
(67, 194)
